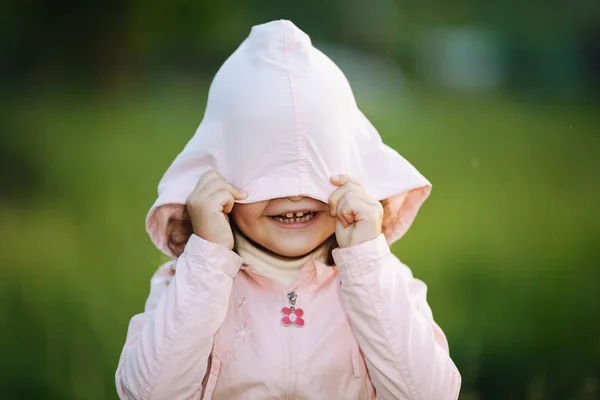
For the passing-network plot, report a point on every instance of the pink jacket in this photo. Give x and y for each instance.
(280, 120)
(213, 331)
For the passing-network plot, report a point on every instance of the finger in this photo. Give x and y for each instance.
(224, 200)
(342, 179)
(347, 208)
(206, 177)
(353, 206)
(345, 218)
(216, 182)
(240, 194)
(341, 192)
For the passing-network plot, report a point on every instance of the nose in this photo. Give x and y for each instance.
(295, 198)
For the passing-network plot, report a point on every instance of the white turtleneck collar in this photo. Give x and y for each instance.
(270, 265)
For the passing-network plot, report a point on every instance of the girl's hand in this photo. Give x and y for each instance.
(208, 206)
(358, 213)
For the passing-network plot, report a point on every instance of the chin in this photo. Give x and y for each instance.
(293, 249)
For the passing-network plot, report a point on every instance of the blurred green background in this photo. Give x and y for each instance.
(495, 102)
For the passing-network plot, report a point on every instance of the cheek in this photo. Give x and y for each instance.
(241, 220)
(246, 216)
(323, 229)
(329, 225)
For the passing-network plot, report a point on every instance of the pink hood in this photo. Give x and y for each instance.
(281, 119)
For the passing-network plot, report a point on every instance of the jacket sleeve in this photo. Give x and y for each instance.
(168, 346)
(405, 350)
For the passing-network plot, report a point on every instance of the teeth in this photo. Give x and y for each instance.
(299, 217)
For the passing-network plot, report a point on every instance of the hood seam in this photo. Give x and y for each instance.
(295, 110)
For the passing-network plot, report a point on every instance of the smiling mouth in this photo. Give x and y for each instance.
(295, 217)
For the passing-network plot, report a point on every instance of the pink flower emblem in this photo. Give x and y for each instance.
(291, 316)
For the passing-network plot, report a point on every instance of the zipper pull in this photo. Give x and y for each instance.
(292, 315)
(292, 296)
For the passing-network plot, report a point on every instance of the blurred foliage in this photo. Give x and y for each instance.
(98, 97)
(507, 242)
(114, 41)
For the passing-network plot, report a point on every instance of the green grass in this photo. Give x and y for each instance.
(507, 242)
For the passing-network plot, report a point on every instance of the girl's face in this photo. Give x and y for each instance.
(289, 226)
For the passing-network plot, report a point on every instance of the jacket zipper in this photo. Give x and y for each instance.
(289, 393)
(291, 383)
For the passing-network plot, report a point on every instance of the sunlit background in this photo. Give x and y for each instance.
(496, 102)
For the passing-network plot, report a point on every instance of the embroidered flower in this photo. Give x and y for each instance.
(291, 316)
(242, 333)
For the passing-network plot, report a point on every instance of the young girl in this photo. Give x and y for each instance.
(278, 215)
